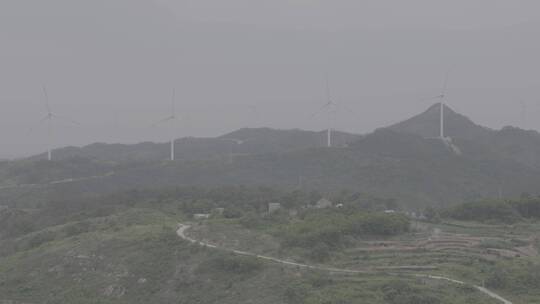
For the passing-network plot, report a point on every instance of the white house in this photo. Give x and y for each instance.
(273, 207)
(323, 203)
(201, 216)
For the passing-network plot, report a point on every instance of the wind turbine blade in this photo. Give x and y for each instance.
(173, 102)
(328, 92)
(46, 95)
(445, 84)
(39, 123)
(322, 109)
(347, 108)
(66, 119)
(163, 121)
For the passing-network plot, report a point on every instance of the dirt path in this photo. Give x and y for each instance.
(181, 232)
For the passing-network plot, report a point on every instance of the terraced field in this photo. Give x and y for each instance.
(459, 250)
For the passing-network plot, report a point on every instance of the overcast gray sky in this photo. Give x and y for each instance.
(111, 64)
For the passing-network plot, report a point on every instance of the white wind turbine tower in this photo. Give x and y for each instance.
(442, 98)
(442, 135)
(331, 107)
(443, 104)
(172, 119)
(49, 119)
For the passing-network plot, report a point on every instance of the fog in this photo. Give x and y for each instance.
(111, 65)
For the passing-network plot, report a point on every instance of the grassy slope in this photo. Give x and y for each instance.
(473, 265)
(135, 257)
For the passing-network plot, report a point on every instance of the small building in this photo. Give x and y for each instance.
(339, 206)
(323, 203)
(389, 211)
(273, 207)
(201, 216)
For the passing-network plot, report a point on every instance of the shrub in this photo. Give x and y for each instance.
(77, 228)
(234, 264)
(320, 253)
(484, 211)
(296, 293)
(40, 239)
(251, 220)
(522, 277)
(400, 292)
(232, 213)
(332, 228)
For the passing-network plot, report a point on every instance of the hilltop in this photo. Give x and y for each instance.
(427, 125)
(510, 143)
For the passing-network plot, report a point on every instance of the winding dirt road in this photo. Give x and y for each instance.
(181, 232)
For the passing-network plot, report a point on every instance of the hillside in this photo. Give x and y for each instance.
(123, 249)
(415, 170)
(243, 141)
(513, 143)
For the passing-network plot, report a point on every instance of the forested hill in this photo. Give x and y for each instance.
(416, 170)
(240, 142)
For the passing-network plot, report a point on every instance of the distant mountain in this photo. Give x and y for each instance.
(404, 162)
(513, 143)
(415, 171)
(427, 125)
(240, 142)
(474, 140)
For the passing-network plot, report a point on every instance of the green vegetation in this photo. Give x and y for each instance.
(111, 239)
(133, 256)
(414, 171)
(495, 211)
(484, 211)
(121, 248)
(400, 292)
(321, 289)
(232, 264)
(517, 277)
(332, 227)
(42, 171)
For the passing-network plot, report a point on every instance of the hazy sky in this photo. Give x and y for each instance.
(111, 65)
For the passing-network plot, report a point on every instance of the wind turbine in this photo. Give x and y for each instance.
(442, 98)
(331, 107)
(49, 117)
(443, 104)
(172, 118)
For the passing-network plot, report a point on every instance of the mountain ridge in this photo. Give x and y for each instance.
(416, 170)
